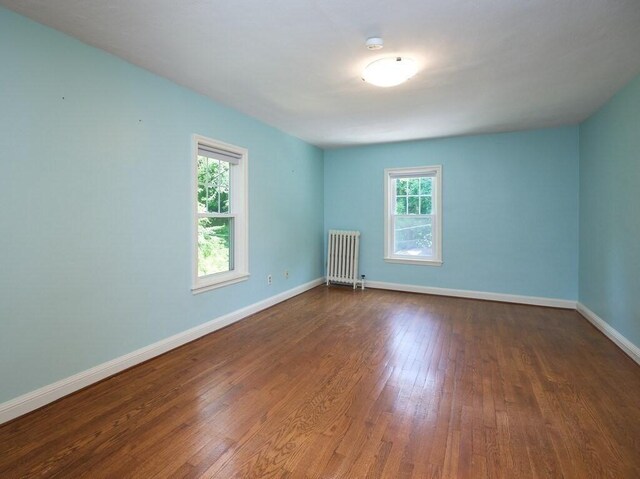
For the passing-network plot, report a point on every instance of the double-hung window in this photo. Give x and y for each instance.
(413, 215)
(220, 198)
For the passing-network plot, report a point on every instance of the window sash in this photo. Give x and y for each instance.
(394, 230)
(214, 187)
(231, 260)
(420, 197)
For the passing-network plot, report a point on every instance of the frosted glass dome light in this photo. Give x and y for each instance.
(390, 71)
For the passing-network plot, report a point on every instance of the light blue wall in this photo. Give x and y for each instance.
(95, 207)
(95, 203)
(510, 214)
(610, 212)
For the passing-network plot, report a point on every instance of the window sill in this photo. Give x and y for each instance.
(219, 282)
(417, 261)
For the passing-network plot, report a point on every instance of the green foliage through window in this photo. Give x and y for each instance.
(414, 196)
(413, 229)
(214, 232)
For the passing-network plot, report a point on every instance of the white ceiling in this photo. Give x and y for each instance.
(486, 65)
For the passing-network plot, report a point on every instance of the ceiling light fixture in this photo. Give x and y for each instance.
(390, 71)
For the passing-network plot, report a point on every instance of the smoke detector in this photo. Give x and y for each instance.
(374, 43)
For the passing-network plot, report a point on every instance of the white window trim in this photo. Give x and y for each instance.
(435, 171)
(240, 208)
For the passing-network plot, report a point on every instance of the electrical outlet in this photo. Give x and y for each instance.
(286, 274)
(269, 279)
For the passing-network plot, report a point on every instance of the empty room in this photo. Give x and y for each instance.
(320, 239)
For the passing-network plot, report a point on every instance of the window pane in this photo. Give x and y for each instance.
(223, 174)
(214, 240)
(426, 205)
(414, 186)
(426, 184)
(214, 169)
(213, 203)
(413, 236)
(202, 198)
(207, 170)
(203, 176)
(401, 186)
(401, 205)
(213, 187)
(413, 205)
(224, 200)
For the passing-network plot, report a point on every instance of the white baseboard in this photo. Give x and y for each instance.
(610, 332)
(47, 394)
(464, 293)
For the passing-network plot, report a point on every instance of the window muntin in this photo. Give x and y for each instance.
(413, 215)
(221, 220)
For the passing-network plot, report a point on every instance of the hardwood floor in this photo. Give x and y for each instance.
(339, 383)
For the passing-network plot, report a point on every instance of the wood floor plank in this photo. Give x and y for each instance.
(337, 383)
